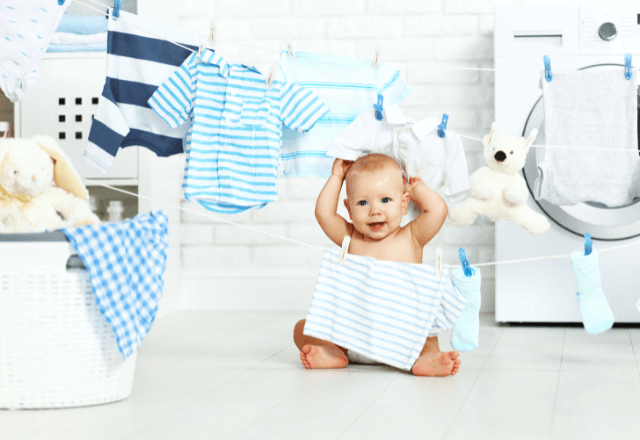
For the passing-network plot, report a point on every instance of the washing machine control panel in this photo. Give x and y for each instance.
(609, 30)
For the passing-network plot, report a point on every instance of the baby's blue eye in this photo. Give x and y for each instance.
(362, 203)
(386, 200)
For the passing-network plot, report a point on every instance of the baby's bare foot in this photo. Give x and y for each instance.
(323, 356)
(437, 364)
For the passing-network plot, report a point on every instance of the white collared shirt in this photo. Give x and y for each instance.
(416, 146)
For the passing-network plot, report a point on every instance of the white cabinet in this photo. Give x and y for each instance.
(62, 104)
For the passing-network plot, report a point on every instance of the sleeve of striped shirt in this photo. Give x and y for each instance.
(173, 100)
(391, 84)
(300, 107)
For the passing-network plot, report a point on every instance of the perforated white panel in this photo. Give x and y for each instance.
(62, 105)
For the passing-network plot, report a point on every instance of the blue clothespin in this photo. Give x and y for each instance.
(60, 2)
(465, 263)
(378, 108)
(443, 125)
(588, 244)
(117, 4)
(547, 68)
(627, 65)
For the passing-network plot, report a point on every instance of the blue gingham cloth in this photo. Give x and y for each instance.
(126, 263)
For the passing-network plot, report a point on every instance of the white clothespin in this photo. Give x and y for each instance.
(201, 48)
(292, 53)
(376, 56)
(345, 248)
(4, 129)
(439, 267)
(213, 32)
(273, 70)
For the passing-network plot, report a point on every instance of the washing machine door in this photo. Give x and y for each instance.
(601, 222)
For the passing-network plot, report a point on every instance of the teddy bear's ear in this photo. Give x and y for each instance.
(531, 138)
(491, 136)
(64, 175)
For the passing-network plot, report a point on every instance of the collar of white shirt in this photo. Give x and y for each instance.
(421, 128)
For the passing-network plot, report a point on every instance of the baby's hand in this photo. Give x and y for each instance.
(340, 167)
(409, 187)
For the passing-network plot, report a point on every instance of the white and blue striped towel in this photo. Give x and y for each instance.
(383, 310)
(137, 64)
(126, 263)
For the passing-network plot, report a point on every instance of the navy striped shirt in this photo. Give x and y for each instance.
(137, 63)
(233, 150)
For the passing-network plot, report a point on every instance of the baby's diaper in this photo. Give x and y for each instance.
(359, 358)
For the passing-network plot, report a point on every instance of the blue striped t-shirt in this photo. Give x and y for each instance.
(349, 87)
(236, 135)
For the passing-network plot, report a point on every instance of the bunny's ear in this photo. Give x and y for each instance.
(64, 175)
(4, 153)
(491, 136)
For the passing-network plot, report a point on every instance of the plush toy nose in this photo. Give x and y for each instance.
(500, 156)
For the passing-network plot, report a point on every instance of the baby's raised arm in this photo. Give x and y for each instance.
(333, 224)
(434, 208)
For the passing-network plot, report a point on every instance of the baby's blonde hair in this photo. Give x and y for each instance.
(371, 162)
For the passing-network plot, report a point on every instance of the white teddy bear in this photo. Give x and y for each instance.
(29, 201)
(499, 191)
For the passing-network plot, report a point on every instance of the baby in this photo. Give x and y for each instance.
(377, 198)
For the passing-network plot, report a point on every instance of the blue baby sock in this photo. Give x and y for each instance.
(594, 308)
(464, 336)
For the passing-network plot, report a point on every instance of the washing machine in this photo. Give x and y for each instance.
(574, 37)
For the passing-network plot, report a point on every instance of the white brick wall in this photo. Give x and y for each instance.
(447, 32)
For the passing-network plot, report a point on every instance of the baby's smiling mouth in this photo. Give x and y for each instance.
(376, 225)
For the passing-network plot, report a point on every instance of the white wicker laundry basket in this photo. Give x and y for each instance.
(56, 348)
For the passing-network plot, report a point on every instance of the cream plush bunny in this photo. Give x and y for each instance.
(499, 191)
(29, 201)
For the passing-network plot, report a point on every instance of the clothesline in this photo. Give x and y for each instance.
(222, 220)
(480, 139)
(307, 244)
(365, 108)
(431, 66)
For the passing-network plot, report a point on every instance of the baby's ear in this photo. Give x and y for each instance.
(405, 203)
(346, 205)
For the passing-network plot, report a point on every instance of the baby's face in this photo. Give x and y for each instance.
(376, 202)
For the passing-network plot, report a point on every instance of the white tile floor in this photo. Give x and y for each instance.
(213, 375)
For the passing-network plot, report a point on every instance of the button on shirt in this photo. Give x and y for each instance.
(233, 148)
(414, 144)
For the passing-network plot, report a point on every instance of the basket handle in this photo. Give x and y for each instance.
(75, 262)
